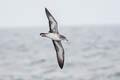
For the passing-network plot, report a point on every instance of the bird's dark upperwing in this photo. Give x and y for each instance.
(52, 22)
(59, 52)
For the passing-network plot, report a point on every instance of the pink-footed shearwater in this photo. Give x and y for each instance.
(56, 38)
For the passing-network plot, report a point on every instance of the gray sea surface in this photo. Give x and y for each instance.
(93, 53)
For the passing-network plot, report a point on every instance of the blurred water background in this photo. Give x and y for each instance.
(93, 53)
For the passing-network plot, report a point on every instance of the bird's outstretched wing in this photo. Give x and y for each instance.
(52, 22)
(59, 52)
(57, 44)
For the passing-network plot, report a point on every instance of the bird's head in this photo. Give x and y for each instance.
(43, 34)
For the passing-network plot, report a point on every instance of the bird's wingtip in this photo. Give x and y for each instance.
(49, 14)
(61, 67)
(46, 10)
(61, 64)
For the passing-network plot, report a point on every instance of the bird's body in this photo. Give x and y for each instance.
(56, 38)
(53, 36)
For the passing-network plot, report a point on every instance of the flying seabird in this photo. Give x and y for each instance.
(56, 38)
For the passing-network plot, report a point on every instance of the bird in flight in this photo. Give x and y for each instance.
(56, 38)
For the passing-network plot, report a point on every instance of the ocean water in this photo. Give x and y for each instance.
(93, 53)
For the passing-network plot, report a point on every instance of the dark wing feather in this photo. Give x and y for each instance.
(59, 52)
(52, 22)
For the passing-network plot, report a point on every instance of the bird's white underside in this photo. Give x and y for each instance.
(53, 36)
